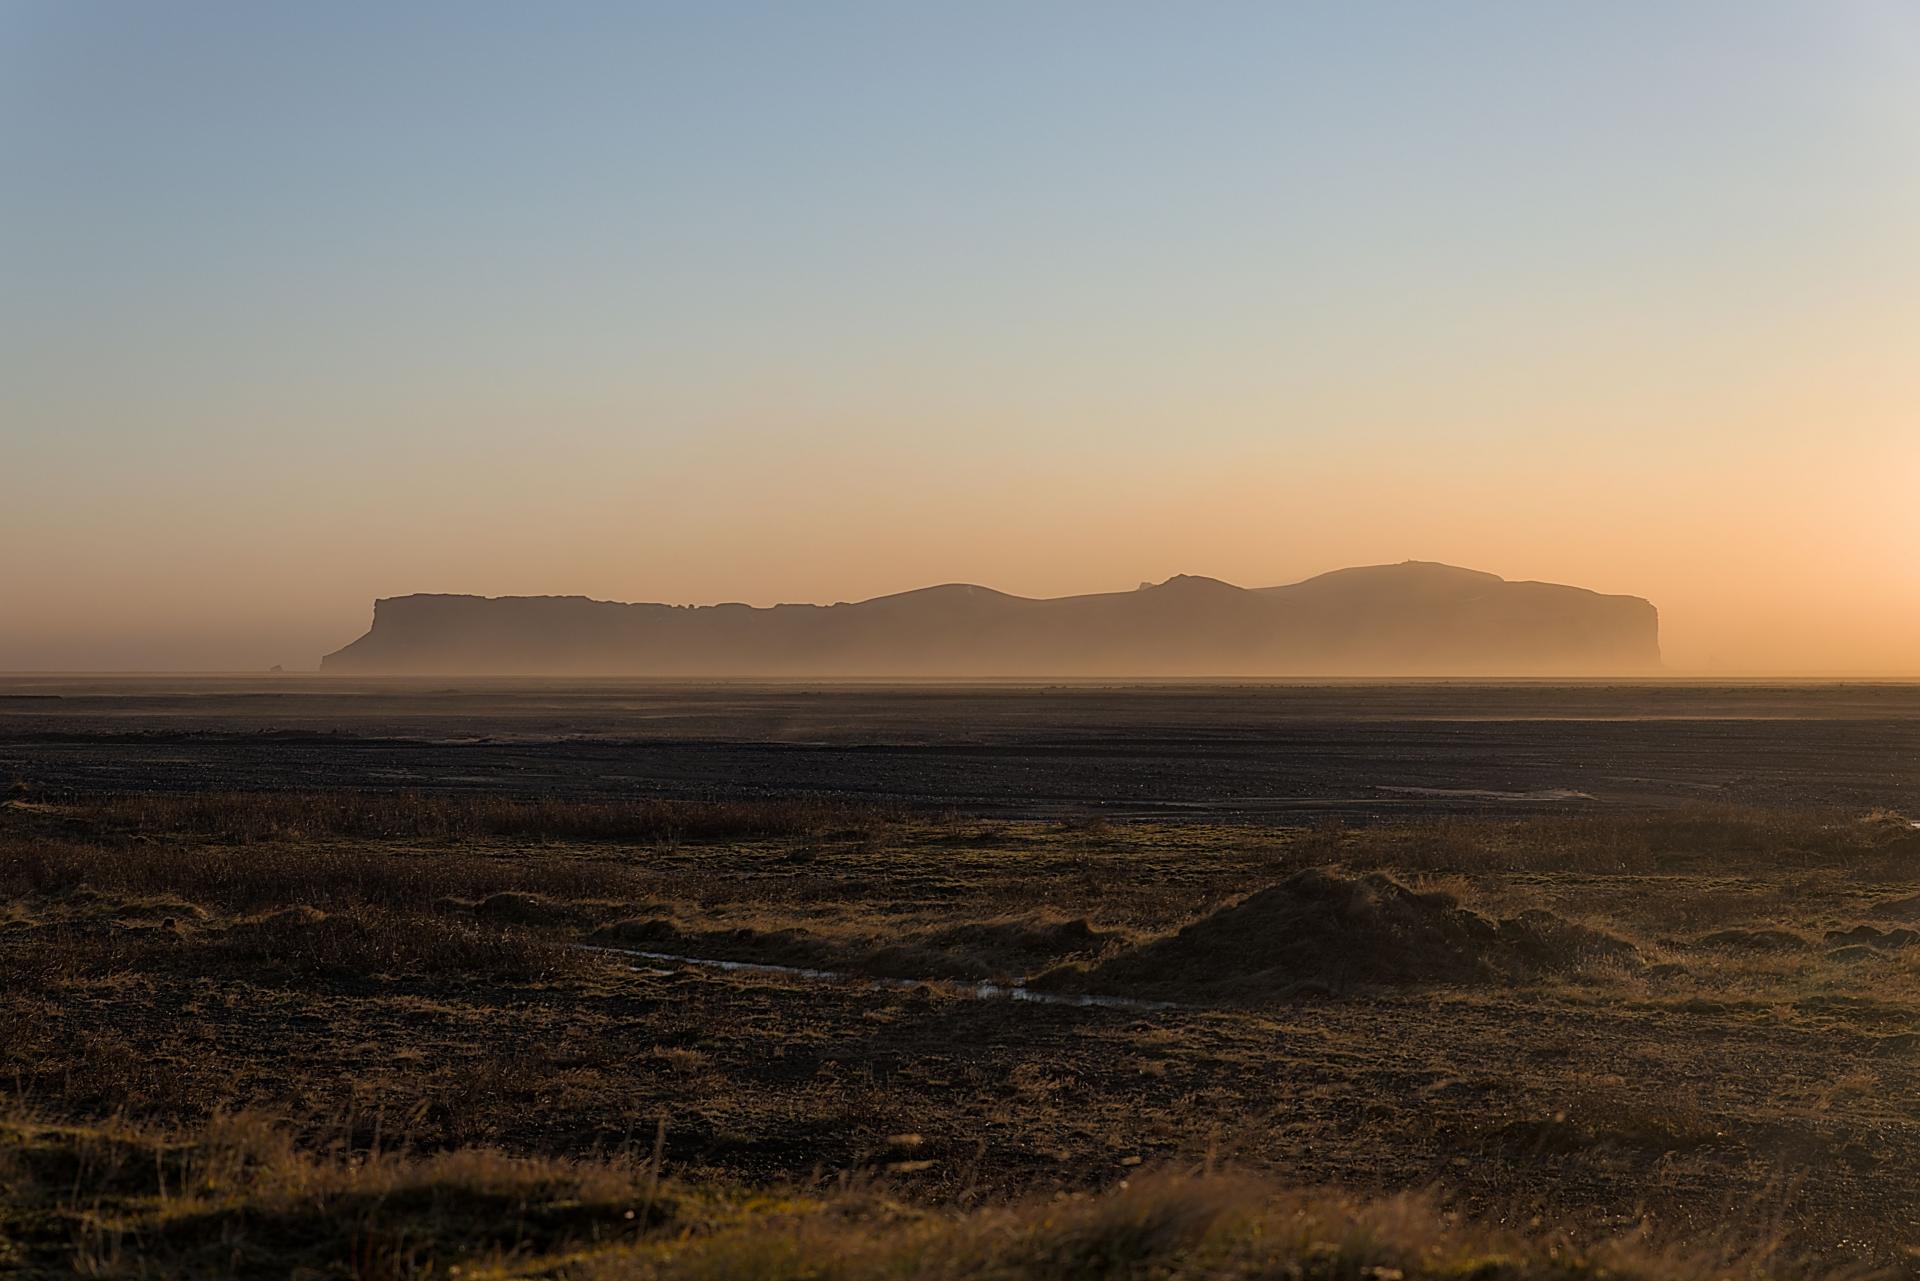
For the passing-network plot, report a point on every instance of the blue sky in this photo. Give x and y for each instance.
(816, 301)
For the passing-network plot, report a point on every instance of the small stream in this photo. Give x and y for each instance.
(975, 991)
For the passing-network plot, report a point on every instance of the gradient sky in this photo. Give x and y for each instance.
(302, 305)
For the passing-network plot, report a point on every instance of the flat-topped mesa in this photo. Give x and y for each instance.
(1411, 619)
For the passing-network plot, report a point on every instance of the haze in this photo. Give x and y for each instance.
(305, 306)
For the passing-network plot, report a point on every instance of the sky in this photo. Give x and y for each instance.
(305, 305)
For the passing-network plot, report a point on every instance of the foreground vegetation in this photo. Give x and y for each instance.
(239, 1199)
(358, 1034)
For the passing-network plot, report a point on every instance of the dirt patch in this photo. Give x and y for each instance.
(1319, 931)
(1016, 946)
(1737, 940)
(976, 951)
(289, 918)
(795, 947)
(512, 908)
(1868, 936)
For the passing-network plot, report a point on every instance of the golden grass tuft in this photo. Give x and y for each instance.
(238, 1198)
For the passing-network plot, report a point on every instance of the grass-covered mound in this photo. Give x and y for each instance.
(1319, 930)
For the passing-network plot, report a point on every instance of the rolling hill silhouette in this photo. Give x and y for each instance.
(1415, 618)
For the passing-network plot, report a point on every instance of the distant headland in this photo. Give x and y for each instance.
(1417, 618)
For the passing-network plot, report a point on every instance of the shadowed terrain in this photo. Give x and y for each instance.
(1255, 751)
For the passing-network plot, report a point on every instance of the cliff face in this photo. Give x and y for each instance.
(1387, 620)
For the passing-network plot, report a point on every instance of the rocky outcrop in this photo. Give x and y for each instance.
(1412, 619)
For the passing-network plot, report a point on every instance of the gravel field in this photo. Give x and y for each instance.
(1220, 751)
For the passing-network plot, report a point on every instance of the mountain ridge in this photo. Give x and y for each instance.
(1411, 618)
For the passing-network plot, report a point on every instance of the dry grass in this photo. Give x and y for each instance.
(238, 1199)
(170, 975)
(1709, 838)
(281, 816)
(256, 877)
(357, 945)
